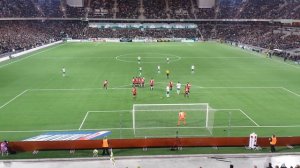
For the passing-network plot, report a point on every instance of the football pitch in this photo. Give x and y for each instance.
(247, 91)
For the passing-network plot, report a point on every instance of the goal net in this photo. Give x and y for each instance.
(153, 120)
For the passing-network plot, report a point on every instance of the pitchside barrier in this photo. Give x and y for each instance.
(139, 40)
(149, 143)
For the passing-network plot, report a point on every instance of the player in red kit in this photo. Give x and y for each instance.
(188, 85)
(186, 91)
(151, 84)
(143, 81)
(140, 81)
(171, 85)
(105, 84)
(134, 92)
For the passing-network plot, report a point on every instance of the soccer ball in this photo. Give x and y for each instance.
(95, 152)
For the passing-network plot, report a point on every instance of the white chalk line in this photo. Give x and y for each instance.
(257, 125)
(77, 89)
(216, 127)
(80, 89)
(258, 87)
(249, 117)
(177, 58)
(13, 99)
(83, 120)
(118, 111)
(109, 111)
(290, 91)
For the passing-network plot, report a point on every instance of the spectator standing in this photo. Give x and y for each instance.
(4, 148)
(105, 146)
(273, 141)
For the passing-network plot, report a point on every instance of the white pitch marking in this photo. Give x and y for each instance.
(229, 87)
(25, 57)
(237, 126)
(39, 131)
(76, 89)
(249, 117)
(241, 126)
(222, 57)
(290, 91)
(13, 99)
(112, 111)
(177, 58)
(99, 129)
(87, 113)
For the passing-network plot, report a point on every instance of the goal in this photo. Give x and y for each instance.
(161, 119)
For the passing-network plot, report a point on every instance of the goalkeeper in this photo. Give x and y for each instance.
(181, 118)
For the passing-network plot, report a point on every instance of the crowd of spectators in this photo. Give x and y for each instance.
(20, 35)
(257, 35)
(180, 9)
(18, 8)
(128, 9)
(101, 9)
(154, 9)
(49, 8)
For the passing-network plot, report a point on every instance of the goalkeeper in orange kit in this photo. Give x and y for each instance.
(181, 118)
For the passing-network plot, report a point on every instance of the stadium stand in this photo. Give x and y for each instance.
(128, 9)
(20, 35)
(155, 9)
(160, 9)
(49, 8)
(101, 9)
(17, 8)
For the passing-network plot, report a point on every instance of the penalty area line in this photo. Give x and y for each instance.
(13, 99)
(19, 131)
(87, 113)
(217, 127)
(290, 91)
(249, 117)
(78, 89)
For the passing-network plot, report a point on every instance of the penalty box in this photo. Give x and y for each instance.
(164, 126)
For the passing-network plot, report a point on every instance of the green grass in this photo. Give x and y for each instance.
(264, 94)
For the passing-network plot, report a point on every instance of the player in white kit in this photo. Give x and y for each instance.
(178, 87)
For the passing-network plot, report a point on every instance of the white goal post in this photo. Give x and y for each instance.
(162, 116)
